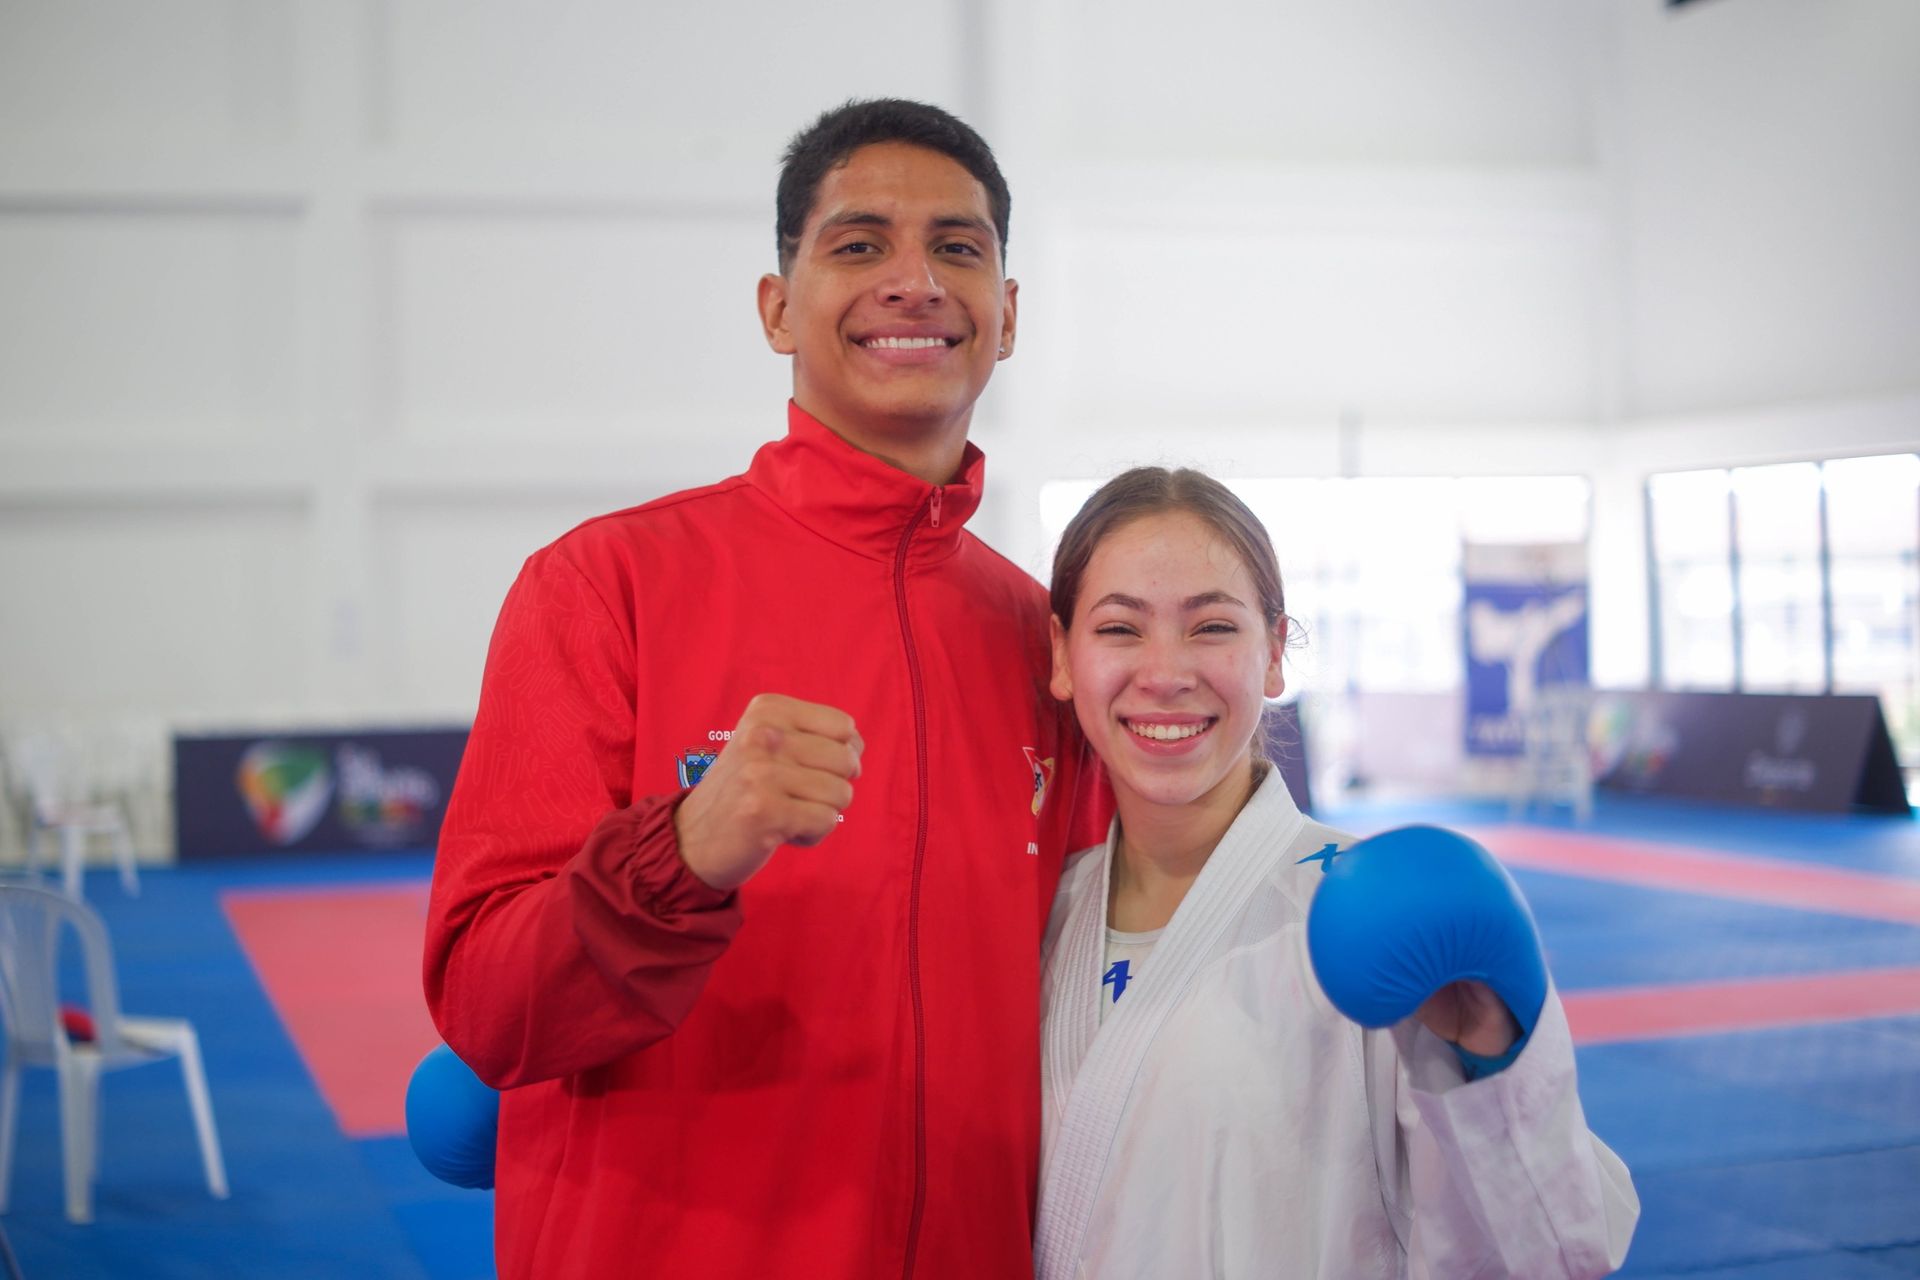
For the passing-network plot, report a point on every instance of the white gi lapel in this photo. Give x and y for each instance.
(1109, 1057)
(1079, 949)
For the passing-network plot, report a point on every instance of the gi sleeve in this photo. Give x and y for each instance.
(1501, 1176)
(563, 929)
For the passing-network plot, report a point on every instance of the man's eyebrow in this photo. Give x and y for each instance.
(945, 221)
(966, 222)
(854, 218)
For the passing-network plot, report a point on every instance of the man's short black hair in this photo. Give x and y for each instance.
(826, 144)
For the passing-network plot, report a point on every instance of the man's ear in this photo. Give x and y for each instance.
(773, 313)
(1062, 683)
(1009, 315)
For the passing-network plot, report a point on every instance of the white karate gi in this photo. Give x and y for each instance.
(1226, 1121)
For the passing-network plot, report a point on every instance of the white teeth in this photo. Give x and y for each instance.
(905, 344)
(1167, 732)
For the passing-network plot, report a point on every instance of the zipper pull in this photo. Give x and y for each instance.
(937, 491)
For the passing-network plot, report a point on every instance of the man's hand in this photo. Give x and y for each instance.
(783, 778)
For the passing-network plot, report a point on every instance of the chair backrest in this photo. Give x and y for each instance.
(35, 770)
(30, 923)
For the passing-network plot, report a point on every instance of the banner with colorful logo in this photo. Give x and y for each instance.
(378, 789)
(1524, 625)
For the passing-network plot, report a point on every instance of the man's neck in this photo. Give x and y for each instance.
(933, 454)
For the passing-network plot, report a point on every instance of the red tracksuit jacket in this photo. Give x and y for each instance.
(833, 1072)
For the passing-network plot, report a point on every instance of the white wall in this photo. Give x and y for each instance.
(1769, 177)
(319, 317)
(1762, 159)
(315, 317)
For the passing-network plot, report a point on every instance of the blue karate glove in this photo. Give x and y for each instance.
(1401, 915)
(453, 1120)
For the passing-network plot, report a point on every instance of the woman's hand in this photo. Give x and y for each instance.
(1470, 1015)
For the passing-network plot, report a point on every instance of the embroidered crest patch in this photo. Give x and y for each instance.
(1042, 775)
(693, 763)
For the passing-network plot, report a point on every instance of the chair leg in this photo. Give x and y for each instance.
(73, 856)
(34, 857)
(79, 1120)
(9, 1113)
(202, 1104)
(123, 846)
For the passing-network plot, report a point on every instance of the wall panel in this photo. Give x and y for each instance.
(1299, 82)
(1189, 326)
(147, 606)
(106, 74)
(445, 567)
(146, 324)
(681, 99)
(536, 326)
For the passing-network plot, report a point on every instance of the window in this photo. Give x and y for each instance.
(1796, 577)
(1692, 539)
(1873, 521)
(1776, 521)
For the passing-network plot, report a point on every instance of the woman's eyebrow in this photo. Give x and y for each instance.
(1206, 598)
(1201, 601)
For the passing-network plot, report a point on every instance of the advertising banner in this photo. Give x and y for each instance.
(1524, 627)
(267, 792)
(1772, 750)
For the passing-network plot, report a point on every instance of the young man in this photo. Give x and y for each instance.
(728, 1052)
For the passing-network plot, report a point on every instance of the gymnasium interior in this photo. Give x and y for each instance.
(1568, 349)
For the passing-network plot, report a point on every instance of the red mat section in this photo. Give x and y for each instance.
(1749, 1004)
(1772, 881)
(342, 967)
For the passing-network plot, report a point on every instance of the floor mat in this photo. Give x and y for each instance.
(342, 967)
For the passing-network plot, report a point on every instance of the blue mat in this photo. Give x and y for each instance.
(1789, 1154)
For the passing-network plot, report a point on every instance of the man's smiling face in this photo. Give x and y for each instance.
(895, 307)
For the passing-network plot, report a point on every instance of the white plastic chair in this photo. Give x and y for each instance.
(30, 921)
(1556, 763)
(54, 805)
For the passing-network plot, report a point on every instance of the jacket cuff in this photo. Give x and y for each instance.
(644, 847)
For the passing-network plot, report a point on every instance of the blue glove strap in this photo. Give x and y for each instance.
(1479, 1068)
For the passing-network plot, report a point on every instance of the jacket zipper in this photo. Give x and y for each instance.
(913, 891)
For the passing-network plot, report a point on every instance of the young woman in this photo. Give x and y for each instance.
(1208, 1111)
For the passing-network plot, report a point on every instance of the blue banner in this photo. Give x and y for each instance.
(1524, 629)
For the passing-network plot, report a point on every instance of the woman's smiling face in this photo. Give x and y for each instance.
(1168, 661)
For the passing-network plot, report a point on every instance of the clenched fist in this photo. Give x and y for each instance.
(783, 778)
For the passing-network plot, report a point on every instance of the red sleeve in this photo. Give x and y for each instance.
(563, 930)
(1092, 815)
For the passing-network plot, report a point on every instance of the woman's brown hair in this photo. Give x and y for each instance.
(1149, 491)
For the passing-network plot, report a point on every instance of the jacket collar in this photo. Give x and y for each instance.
(859, 502)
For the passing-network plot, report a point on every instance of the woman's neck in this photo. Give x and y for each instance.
(1163, 848)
